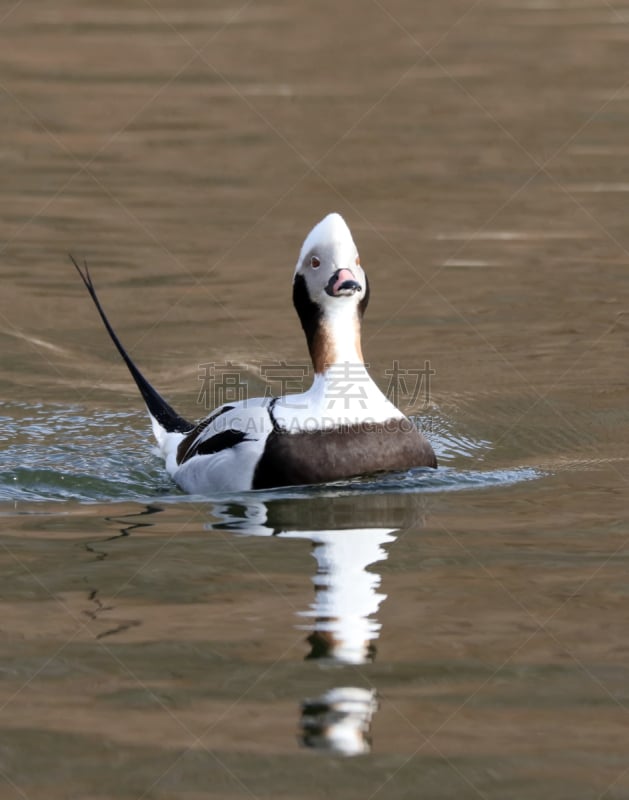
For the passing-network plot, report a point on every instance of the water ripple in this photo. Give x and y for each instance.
(60, 453)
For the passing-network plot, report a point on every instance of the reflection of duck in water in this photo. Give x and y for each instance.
(344, 632)
(339, 721)
(347, 596)
(347, 593)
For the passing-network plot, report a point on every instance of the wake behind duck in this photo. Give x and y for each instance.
(343, 426)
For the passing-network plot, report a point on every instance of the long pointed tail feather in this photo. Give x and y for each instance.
(163, 413)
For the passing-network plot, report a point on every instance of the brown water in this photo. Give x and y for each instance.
(154, 646)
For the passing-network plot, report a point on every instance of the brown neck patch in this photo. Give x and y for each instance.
(319, 339)
(323, 351)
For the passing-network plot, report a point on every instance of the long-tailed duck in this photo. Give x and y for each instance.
(343, 426)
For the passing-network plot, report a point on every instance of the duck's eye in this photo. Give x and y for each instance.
(315, 262)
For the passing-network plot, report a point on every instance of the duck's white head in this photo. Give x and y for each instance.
(330, 293)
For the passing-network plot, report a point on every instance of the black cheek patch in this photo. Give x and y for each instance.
(362, 306)
(309, 313)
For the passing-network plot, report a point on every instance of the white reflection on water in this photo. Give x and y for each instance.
(347, 597)
(339, 721)
(343, 628)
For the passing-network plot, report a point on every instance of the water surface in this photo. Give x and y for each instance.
(458, 634)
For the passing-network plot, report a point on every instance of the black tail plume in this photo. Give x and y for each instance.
(158, 407)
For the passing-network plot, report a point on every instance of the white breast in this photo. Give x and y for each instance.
(343, 395)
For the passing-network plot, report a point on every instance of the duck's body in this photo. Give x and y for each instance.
(343, 426)
(288, 441)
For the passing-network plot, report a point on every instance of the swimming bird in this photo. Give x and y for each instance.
(341, 427)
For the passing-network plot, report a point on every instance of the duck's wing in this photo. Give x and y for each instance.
(221, 454)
